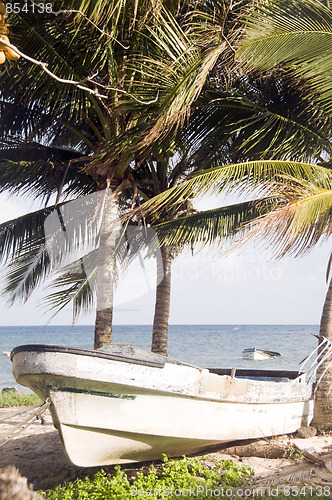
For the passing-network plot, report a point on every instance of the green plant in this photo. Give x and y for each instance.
(12, 398)
(178, 478)
(294, 453)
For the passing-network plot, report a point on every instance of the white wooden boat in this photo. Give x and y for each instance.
(254, 353)
(128, 405)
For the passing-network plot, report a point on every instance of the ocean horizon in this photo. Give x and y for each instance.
(207, 346)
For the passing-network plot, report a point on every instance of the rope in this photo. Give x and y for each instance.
(325, 347)
(23, 425)
(22, 412)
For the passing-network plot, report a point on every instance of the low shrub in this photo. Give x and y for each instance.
(173, 478)
(13, 398)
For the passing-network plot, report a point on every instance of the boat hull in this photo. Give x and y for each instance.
(110, 411)
(259, 354)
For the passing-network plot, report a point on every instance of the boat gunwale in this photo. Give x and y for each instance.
(85, 352)
(239, 373)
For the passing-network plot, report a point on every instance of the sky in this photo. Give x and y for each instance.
(208, 288)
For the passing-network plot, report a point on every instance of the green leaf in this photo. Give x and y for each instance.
(301, 219)
(296, 34)
(242, 177)
(211, 227)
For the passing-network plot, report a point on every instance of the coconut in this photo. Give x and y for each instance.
(11, 54)
(2, 57)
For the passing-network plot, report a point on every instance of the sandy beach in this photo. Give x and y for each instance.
(37, 453)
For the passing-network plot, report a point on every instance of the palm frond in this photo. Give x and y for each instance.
(177, 69)
(75, 284)
(271, 121)
(62, 241)
(47, 41)
(42, 178)
(296, 34)
(80, 41)
(38, 243)
(15, 234)
(302, 219)
(27, 272)
(241, 177)
(17, 119)
(211, 227)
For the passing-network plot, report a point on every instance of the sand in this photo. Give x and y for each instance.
(38, 455)
(36, 451)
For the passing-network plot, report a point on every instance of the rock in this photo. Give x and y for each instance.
(306, 432)
(11, 389)
(15, 487)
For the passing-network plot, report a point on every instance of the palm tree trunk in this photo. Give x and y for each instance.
(163, 294)
(103, 327)
(323, 401)
(106, 272)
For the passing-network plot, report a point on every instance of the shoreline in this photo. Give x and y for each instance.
(38, 455)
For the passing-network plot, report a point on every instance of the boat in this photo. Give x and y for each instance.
(123, 404)
(253, 353)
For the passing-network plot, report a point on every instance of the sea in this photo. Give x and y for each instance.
(206, 346)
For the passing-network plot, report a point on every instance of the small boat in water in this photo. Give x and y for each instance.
(123, 404)
(253, 353)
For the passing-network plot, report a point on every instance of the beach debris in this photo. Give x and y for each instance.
(313, 467)
(322, 459)
(306, 432)
(309, 470)
(302, 474)
(13, 486)
(262, 448)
